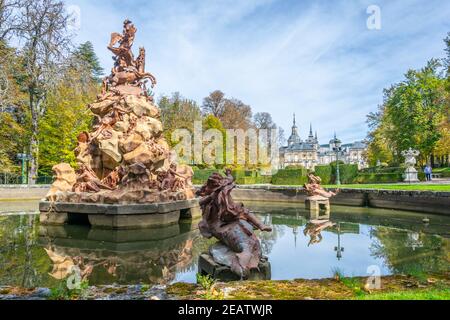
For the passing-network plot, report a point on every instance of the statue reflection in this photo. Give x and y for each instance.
(153, 256)
(64, 266)
(314, 230)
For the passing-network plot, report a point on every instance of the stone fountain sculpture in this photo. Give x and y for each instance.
(124, 160)
(410, 161)
(317, 196)
(238, 254)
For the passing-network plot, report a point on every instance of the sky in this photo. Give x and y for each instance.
(317, 58)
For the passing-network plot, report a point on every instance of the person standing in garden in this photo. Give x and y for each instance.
(428, 171)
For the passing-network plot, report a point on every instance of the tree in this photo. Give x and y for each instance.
(415, 107)
(281, 137)
(66, 116)
(212, 122)
(236, 115)
(43, 28)
(214, 104)
(410, 117)
(10, 141)
(85, 53)
(263, 120)
(447, 51)
(171, 109)
(13, 115)
(9, 17)
(443, 146)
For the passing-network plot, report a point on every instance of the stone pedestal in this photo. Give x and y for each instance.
(112, 216)
(53, 218)
(207, 266)
(317, 203)
(411, 175)
(191, 213)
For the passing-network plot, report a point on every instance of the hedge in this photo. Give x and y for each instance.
(202, 175)
(347, 173)
(392, 177)
(383, 170)
(255, 180)
(240, 173)
(444, 172)
(290, 177)
(368, 178)
(241, 176)
(325, 173)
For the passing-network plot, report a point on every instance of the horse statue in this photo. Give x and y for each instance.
(126, 69)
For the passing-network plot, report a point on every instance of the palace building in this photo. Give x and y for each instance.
(310, 153)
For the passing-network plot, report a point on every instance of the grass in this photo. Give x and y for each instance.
(400, 287)
(432, 294)
(406, 187)
(62, 292)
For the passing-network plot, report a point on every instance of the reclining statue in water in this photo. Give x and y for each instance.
(231, 223)
(313, 187)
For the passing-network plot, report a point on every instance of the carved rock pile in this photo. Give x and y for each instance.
(125, 158)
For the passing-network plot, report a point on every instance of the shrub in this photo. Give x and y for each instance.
(241, 176)
(444, 172)
(254, 180)
(421, 176)
(325, 173)
(201, 176)
(367, 178)
(383, 170)
(290, 177)
(241, 173)
(348, 173)
(264, 180)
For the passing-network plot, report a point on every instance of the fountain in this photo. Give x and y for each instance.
(127, 176)
(318, 198)
(238, 253)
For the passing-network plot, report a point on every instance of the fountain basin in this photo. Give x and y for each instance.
(118, 216)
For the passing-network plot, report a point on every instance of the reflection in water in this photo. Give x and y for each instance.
(154, 256)
(358, 230)
(299, 247)
(339, 249)
(314, 230)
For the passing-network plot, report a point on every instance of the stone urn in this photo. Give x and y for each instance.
(411, 174)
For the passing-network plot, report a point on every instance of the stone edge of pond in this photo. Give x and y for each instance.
(344, 189)
(298, 289)
(101, 292)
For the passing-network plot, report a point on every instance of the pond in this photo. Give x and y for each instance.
(353, 241)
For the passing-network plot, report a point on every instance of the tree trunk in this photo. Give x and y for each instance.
(34, 163)
(34, 143)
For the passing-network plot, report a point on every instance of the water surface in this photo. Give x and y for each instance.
(355, 241)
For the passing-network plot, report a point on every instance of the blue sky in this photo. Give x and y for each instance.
(315, 58)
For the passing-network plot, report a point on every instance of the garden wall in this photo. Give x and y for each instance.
(419, 201)
(23, 192)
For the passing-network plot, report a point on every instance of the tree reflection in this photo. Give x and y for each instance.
(406, 253)
(22, 260)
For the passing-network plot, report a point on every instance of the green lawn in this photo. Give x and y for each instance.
(431, 294)
(420, 187)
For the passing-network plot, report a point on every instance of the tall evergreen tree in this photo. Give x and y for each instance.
(86, 53)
